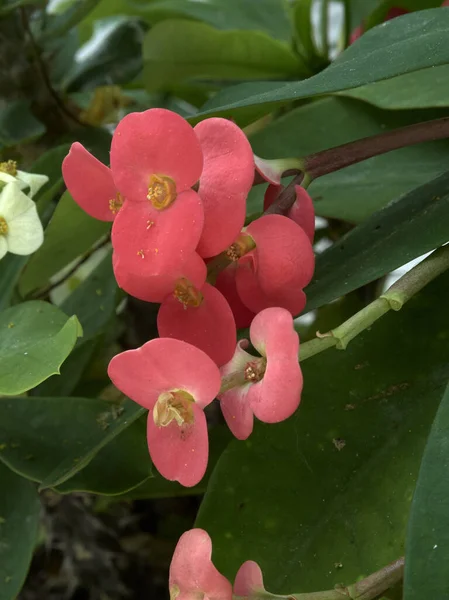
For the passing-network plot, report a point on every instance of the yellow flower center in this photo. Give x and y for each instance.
(115, 204)
(3, 226)
(255, 370)
(9, 166)
(176, 405)
(161, 191)
(187, 293)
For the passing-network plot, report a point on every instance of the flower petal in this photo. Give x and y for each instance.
(253, 296)
(226, 284)
(180, 453)
(302, 211)
(277, 395)
(162, 365)
(237, 411)
(3, 246)
(25, 232)
(32, 180)
(192, 570)
(249, 579)
(156, 141)
(89, 182)
(283, 258)
(13, 202)
(227, 177)
(154, 288)
(210, 326)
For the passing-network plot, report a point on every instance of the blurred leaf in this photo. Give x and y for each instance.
(419, 89)
(19, 522)
(71, 233)
(355, 192)
(269, 16)
(112, 55)
(323, 497)
(78, 444)
(59, 25)
(18, 124)
(380, 12)
(427, 551)
(404, 45)
(179, 51)
(403, 230)
(35, 339)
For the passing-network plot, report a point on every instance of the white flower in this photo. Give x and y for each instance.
(10, 174)
(21, 231)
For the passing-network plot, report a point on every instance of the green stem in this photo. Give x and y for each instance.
(367, 589)
(393, 299)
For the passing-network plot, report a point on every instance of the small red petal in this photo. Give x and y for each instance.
(180, 453)
(395, 11)
(249, 579)
(356, 33)
(302, 211)
(154, 142)
(163, 365)
(237, 411)
(210, 326)
(226, 284)
(225, 182)
(192, 570)
(283, 258)
(278, 394)
(89, 182)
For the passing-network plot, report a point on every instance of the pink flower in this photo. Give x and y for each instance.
(91, 184)
(227, 286)
(202, 318)
(175, 382)
(269, 386)
(156, 249)
(249, 580)
(277, 270)
(302, 212)
(192, 573)
(445, 3)
(225, 182)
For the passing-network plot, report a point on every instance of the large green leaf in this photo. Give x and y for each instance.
(181, 51)
(19, 521)
(323, 497)
(427, 551)
(419, 89)
(403, 230)
(415, 41)
(57, 442)
(353, 193)
(35, 339)
(71, 232)
(269, 16)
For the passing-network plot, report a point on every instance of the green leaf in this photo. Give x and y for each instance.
(112, 55)
(77, 444)
(269, 16)
(420, 89)
(323, 497)
(58, 25)
(35, 339)
(427, 549)
(180, 51)
(412, 42)
(93, 302)
(19, 522)
(403, 230)
(71, 232)
(18, 124)
(356, 192)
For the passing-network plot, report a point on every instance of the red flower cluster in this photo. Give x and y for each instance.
(177, 198)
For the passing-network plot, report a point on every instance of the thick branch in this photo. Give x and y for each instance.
(337, 158)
